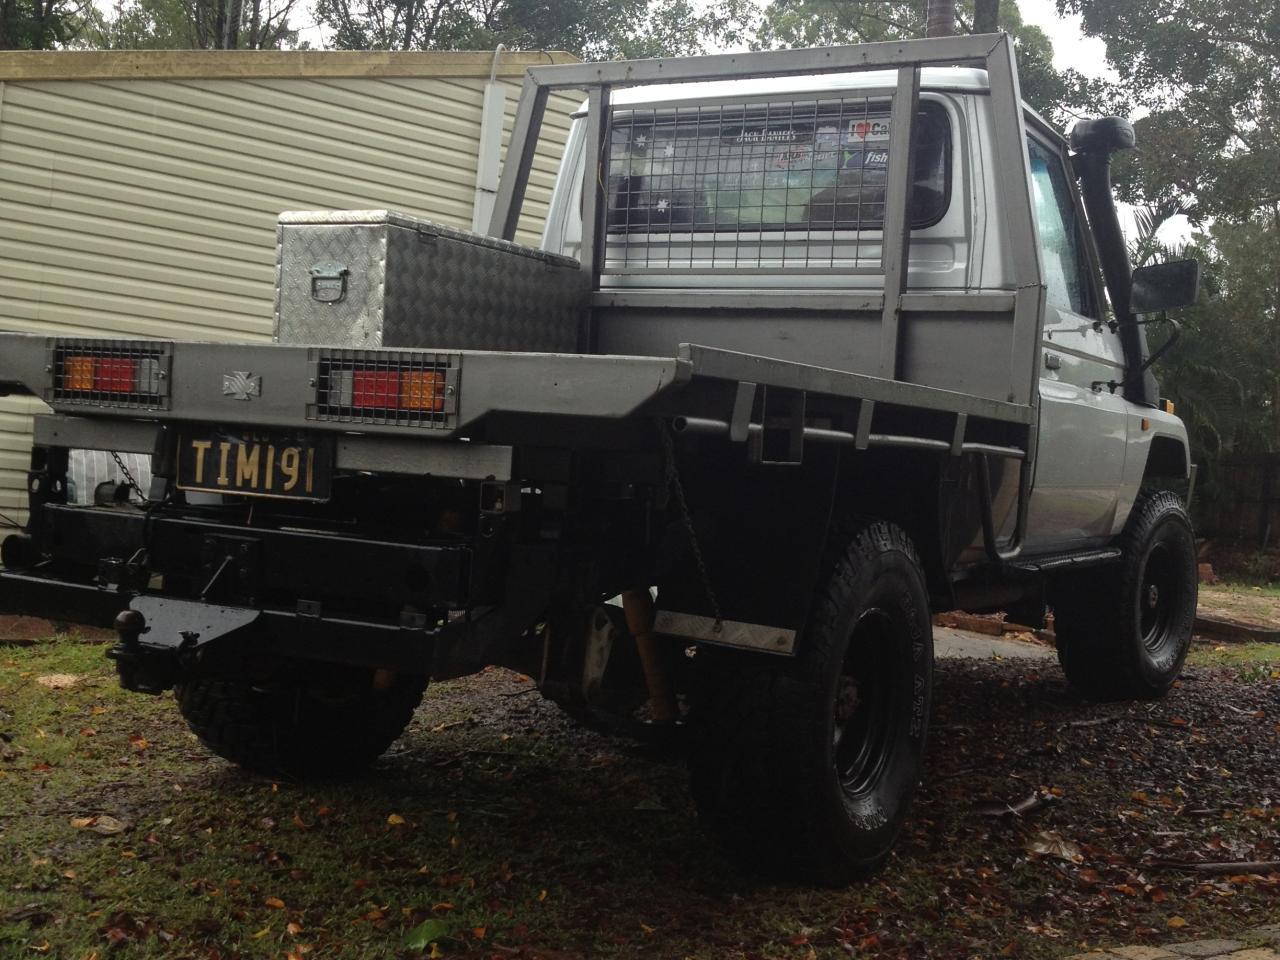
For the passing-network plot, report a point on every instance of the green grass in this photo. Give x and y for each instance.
(1243, 588)
(1254, 661)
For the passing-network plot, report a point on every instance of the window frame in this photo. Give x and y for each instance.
(1095, 307)
(873, 96)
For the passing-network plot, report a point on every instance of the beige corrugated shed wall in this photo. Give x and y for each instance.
(139, 190)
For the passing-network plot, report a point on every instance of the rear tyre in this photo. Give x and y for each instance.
(1124, 633)
(315, 721)
(808, 765)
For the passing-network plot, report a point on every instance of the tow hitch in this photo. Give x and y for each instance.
(161, 638)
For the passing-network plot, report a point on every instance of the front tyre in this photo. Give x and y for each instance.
(1124, 634)
(808, 765)
(314, 720)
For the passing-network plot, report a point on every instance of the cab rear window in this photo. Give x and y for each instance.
(816, 166)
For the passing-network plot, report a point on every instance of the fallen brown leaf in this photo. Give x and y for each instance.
(59, 681)
(104, 824)
(1052, 844)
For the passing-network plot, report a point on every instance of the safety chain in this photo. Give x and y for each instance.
(677, 488)
(129, 478)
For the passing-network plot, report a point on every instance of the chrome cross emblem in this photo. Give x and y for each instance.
(241, 385)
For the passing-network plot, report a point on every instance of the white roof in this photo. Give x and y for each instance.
(949, 78)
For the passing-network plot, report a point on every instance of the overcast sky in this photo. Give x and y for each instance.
(1070, 47)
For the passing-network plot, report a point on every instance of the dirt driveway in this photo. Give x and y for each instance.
(495, 828)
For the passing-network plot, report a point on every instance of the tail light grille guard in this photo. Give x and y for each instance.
(401, 388)
(133, 374)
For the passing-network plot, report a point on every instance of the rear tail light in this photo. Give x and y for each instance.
(387, 389)
(110, 373)
(404, 388)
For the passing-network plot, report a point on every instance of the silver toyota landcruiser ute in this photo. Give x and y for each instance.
(817, 342)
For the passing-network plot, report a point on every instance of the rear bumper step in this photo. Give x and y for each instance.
(237, 564)
(161, 638)
(59, 601)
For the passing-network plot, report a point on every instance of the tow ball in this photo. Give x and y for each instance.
(142, 669)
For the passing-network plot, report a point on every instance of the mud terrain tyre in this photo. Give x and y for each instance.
(1123, 633)
(807, 766)
(312, 721)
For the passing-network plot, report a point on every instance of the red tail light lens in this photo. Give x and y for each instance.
(388, 389)
(115, 375)
(375, 388)
(129, 375)
(409, 388)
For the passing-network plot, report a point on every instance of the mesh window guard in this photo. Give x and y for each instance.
(761, 187)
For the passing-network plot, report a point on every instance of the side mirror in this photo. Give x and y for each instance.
(1165, 286)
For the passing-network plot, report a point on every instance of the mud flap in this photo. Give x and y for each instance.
(760, 533)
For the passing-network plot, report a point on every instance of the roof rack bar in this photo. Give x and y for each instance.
(519, 161)
(1010, 133)
(595, 213)
(777, 63)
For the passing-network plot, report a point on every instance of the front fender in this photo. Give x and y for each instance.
(1157, 449)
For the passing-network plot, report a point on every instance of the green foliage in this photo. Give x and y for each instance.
(1206, 74)
(190, 24)
(1201, 77)
(426, 933)
(790, 24)
(38, 24)
(592, 29)
(1224, 374)
(142, 25)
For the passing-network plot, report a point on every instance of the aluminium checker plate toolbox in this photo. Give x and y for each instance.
(375, 278)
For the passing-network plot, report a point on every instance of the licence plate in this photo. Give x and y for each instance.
(255, 464)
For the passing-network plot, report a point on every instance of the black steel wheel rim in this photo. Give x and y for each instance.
(1159, 597)
(869, 693)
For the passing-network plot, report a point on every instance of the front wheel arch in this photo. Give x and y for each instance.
(1167, 459)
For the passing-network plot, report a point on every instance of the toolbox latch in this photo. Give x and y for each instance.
(328, 281)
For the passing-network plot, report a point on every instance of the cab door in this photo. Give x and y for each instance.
(1083, 430)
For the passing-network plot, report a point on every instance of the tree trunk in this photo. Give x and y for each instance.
(234, 13)
(255, 26)
(8, 13)
(1275, 325)
(410, 24)
(941, 19)
(211, 23)
(986, 16)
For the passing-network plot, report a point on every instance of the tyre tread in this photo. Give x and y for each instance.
(759, 706)
(249, 726)
(1091, 617)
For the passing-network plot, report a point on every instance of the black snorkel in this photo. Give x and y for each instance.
(1092, 143)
